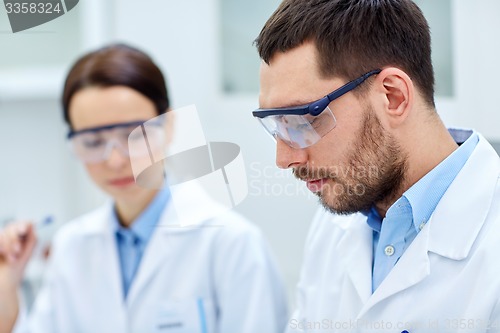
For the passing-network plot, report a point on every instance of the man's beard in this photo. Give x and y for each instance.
(374, 174)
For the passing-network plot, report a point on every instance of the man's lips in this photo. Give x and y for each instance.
(122, 181)
(315, 185)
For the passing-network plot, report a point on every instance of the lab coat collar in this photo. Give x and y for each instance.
(455, 226)
(97, 222)
(442, 235)
(156, 254)
(358, 259)
(412, 267)
(189, 209)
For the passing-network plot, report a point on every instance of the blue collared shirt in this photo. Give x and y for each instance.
(132, 241)
(409, 214)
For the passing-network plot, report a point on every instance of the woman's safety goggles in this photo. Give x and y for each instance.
(94, 145)
(304, 125)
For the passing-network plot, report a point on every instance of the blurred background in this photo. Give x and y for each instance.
(205, 49)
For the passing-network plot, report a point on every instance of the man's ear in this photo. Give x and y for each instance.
(397, 92)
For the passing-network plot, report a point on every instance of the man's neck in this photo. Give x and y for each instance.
(425, 150)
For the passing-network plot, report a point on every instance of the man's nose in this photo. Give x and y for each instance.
(288, 157)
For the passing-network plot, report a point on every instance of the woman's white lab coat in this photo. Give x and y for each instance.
(215, 276)
(448, 280)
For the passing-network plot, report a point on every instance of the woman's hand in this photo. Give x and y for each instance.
(17, 242)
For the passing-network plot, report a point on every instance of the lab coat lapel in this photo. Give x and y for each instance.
(105, 263)
(412, 267)
(471, 196)
(156, 254)
(177, 218)
(357, 244)
(113, 267)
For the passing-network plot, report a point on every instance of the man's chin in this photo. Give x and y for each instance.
(338, 206)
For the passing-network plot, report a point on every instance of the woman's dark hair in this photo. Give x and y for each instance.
(117, 65)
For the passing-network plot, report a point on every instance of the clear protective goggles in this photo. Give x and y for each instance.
(94, 145)
(299, 131)
(304, 125)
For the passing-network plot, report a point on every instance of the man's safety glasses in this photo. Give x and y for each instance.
(304, 125)
(93, 145)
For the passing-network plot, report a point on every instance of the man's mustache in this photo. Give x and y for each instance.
(305, 173)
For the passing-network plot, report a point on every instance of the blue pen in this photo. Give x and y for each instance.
(203, 319)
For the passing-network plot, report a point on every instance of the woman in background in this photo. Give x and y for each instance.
(121, 268)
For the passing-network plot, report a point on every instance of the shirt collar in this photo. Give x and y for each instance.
(420, 200)
(425, 194)
(373, 219)
(143, 226)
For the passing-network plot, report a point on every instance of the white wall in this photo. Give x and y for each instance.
(477, 67)
(39, 176)
(476, 53)
(31, 169)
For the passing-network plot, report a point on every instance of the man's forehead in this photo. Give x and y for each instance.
(287, 74)
(301, 58)
(292, 78)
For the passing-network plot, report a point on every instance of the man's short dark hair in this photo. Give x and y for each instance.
(353, 37)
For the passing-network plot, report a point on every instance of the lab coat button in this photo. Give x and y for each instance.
(389, 250)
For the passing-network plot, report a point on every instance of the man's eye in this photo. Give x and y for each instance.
(315, 123)
(303, 126)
